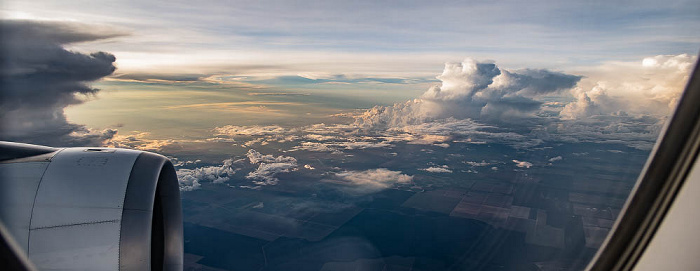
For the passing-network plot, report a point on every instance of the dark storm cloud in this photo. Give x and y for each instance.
(39, 78)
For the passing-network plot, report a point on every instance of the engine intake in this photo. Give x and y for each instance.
(92, 208)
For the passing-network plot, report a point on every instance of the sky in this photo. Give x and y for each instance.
(178, 70)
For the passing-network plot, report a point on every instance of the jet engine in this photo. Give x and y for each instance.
(91, 208)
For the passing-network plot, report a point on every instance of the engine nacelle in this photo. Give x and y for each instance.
(91, 208)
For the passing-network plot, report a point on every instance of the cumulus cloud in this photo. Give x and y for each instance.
(522, 164)
(266, 173)
(624, 102)
(39, 78)
(188, 183)
(477, 164)
(255, 158)
(268, 167)
(315, 147)
(139, 140)
(554, 159)
(459, 130)
(361, 145)
(190, 179)
(336, 146)
(475, 90)
(480, 103)
(649, 87)
(438, 169)
(371, 180)
(618, 102)
(320, 137)
(262, 135)
(233, 130)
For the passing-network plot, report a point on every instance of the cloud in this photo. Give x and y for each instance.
(145, 141)
(460, 130)
(320, 137)
(477, 164)
(255, 158)
(233, 130)
(315, 147)
(361, 145)
(618, 102)
(522, 164)
(370, 181)
(639, 132)
(266, 173)
(474, 90)
(39, 78)
(190, 179)
(157, 78)
(247, 105)
(554, 159)
(334, 79)
(188, 183)
(139, 140)
(336, 146)
(649, 87)
(277, 94)
(269, 166)
(437, 170)
(480, 103)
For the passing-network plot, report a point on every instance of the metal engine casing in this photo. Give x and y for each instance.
(92, 208)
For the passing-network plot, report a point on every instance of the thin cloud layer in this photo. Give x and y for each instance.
(39, 78)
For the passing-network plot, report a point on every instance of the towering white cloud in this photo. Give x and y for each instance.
(475, 90)
(625, 102)
(650, 87)
(618, 102)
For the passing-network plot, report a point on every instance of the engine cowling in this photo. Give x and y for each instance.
(91, 208)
